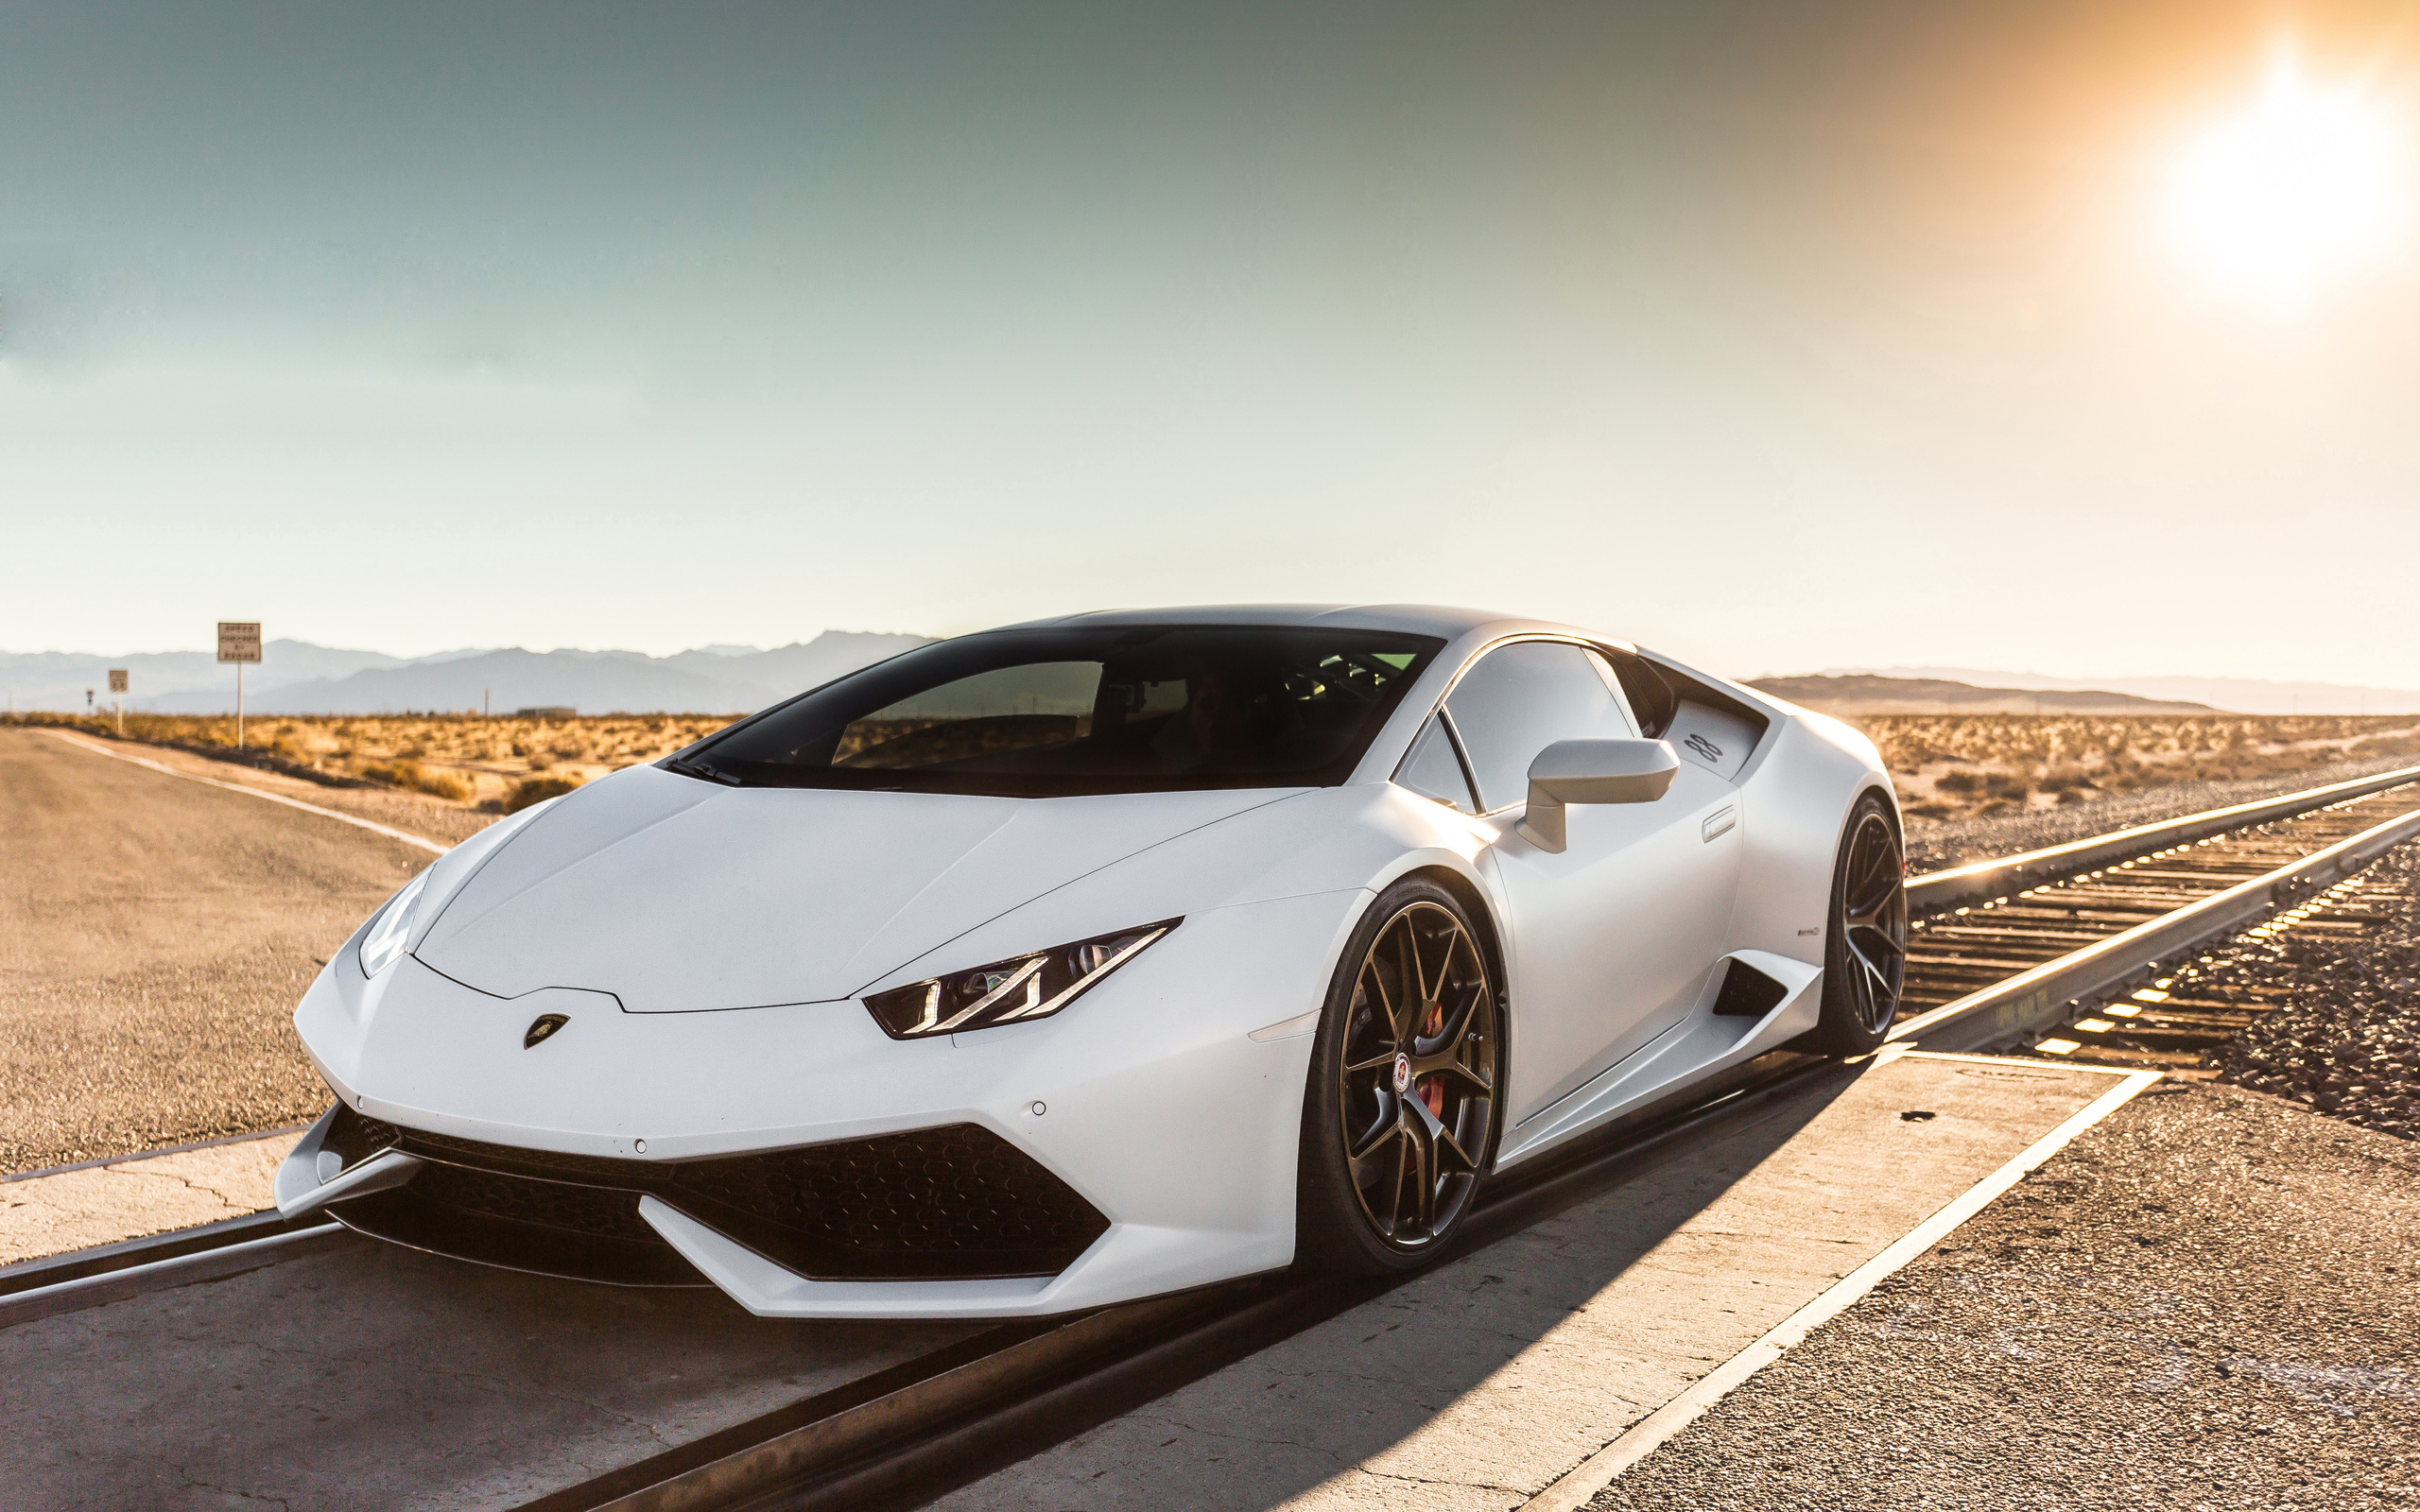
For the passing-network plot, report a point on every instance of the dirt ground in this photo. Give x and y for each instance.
(155, 935)
(2207, 1301)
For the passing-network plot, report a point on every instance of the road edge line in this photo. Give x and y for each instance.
(1578, 1486)
(103, 1161)
(253, 792)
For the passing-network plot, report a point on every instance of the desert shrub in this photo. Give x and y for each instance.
(2065, 780)
(537, 790)
(412, 777)
(1960, 784)
(2384, 745)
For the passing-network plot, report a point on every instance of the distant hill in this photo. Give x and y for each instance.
(295, 676)
(1869, 694)
(2247, 696)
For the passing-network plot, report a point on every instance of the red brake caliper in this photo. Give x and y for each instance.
(1432, 1089)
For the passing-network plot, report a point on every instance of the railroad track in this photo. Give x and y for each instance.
(1957, 950)
(1999, 954)
(2083, 941)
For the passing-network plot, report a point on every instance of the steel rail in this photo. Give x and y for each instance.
(1935, 891)
(2051, 993)
(1963, 951)
(108, 1273)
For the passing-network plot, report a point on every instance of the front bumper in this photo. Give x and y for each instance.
(954, 1204)
(1140, 1141)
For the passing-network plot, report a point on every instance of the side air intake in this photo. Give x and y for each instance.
(1748, 993)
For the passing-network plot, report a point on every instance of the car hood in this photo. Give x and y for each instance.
(678, 895)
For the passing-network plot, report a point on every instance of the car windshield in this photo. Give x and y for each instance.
(1059, 712)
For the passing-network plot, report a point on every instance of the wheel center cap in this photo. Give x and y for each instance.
(1403, 1074)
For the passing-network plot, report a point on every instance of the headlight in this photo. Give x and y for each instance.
(1011, 991)
(385, 943)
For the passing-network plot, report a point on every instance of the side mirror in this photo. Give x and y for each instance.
(1593, 771)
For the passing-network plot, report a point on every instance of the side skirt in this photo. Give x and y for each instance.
(1683, 1058)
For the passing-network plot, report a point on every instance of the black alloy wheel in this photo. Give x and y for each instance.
(1866, 950)
(1400, 1121)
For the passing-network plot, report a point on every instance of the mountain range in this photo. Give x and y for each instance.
(1866, 694)
(2244, 695)
(295, 676)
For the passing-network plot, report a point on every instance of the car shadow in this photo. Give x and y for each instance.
(1554, 1316)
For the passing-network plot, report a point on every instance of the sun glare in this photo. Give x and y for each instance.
(2307, 184)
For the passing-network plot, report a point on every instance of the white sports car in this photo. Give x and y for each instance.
(1098, 957)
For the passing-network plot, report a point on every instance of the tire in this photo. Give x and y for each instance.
(1386, 1120)
(1865, 949)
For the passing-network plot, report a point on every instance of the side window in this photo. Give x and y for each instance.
(1519, 700)
(1621, 694)
(1433, 770)
(1650, 698)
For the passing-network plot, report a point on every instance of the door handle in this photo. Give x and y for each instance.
(1719, 823)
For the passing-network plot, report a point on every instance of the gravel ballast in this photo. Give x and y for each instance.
(2211, 1300)
(2346, 1039)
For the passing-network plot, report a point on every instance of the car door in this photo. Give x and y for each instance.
(1613, 938)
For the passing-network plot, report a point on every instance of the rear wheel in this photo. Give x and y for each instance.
(1399, 1120)
(1865, 955)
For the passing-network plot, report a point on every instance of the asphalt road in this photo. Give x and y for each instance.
(2208, 1302)
(155, 935)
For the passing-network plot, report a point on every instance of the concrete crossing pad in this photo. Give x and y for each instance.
(369, 1375)
(1477, 1385)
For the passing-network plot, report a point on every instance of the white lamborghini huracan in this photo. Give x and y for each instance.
(1099, 957)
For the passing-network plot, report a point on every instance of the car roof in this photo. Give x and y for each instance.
(1444, 620)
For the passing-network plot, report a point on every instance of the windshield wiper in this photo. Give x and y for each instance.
(698, 769)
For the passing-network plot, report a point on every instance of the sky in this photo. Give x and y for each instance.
(1772, 335)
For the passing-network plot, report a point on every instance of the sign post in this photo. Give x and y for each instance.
(239, 641)
(118, 688)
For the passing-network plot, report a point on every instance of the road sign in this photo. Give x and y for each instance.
(117, 679)
(239, 641)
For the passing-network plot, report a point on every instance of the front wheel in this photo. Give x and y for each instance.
(1865, 947)
(1399, 1122)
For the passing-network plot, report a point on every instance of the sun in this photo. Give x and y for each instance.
(2303, 186)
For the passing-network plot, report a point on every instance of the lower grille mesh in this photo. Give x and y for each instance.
(955, 1190)
(952, 1202)
(597, 1211)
